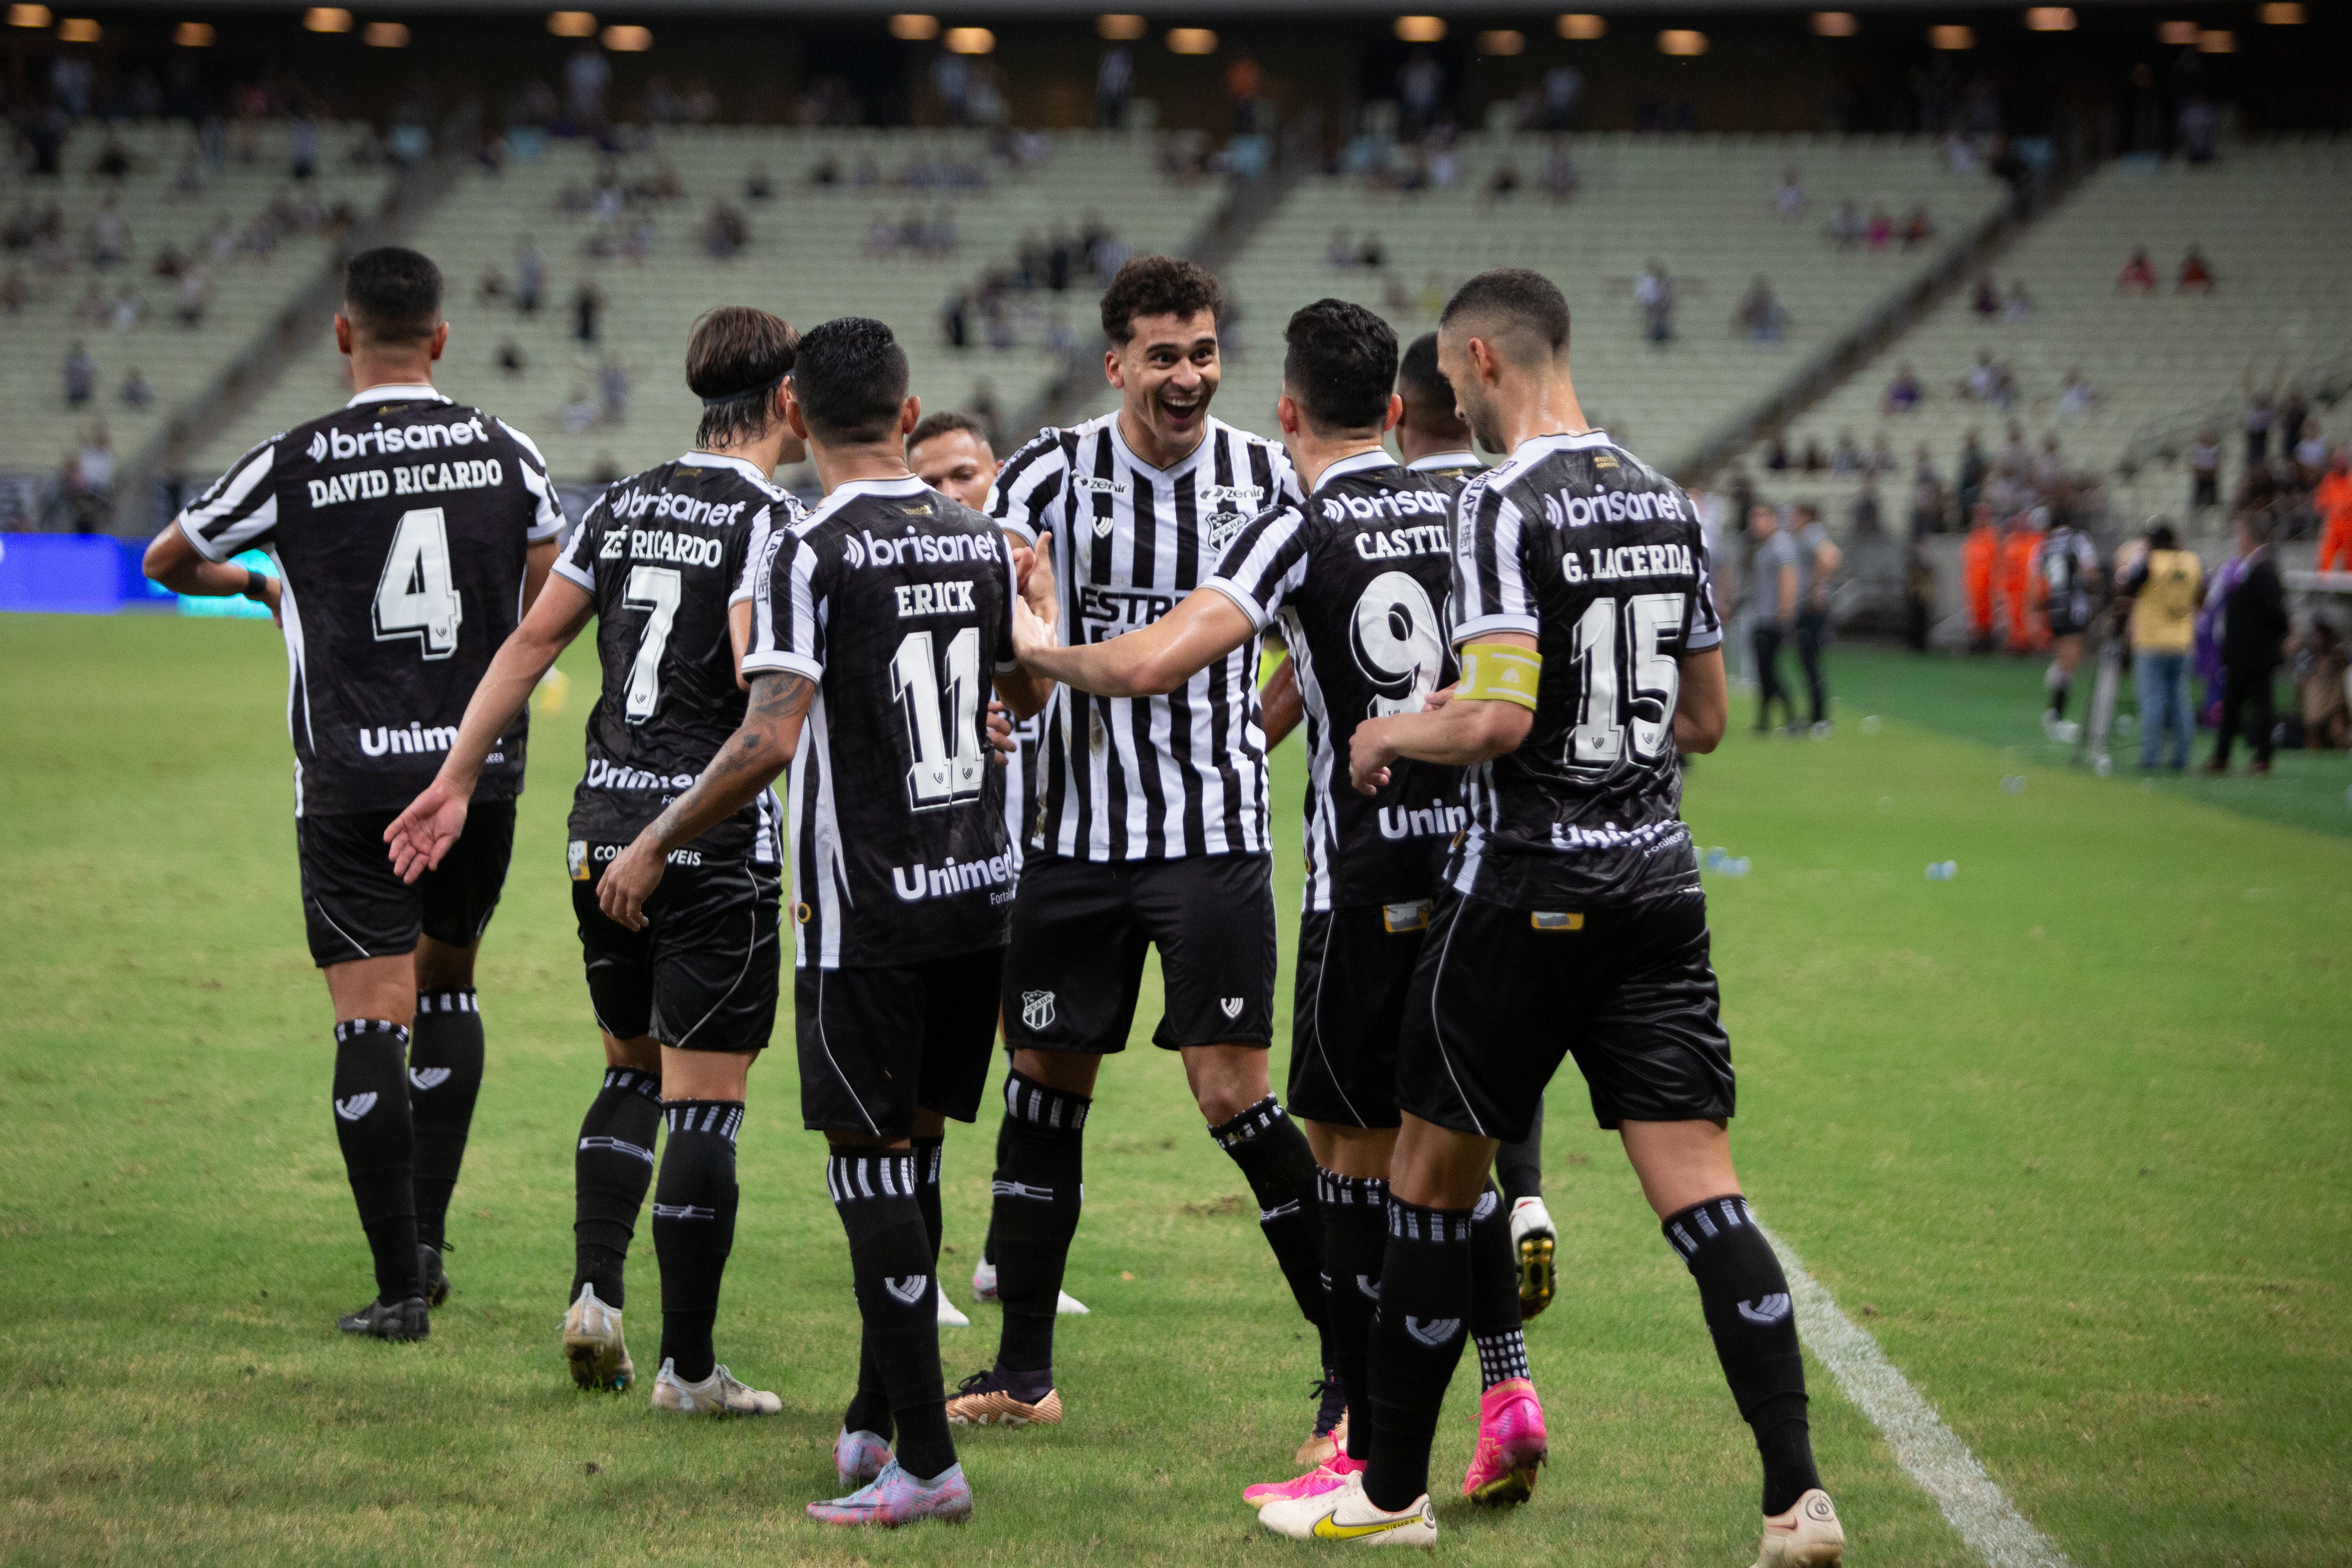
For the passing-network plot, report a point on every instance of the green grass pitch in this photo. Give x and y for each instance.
(2067, 1133)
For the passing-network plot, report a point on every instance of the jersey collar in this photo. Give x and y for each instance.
(400, 392)
(1357, 463)
(909, 485)
(1182, 466)
(1442, 460)
(749, 469)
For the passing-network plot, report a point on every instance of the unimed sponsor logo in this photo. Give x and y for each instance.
(915, 883)
(602, 775)
(391, 740)
(1436, 817)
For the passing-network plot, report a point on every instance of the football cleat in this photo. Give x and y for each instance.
(1329, 1436)
(983, 1288)
(1534, 1241)
(429, 1269)
(1323, 1477)
(895, 1497)
(388, 1320)
(858, 1458)
(1807, 1536)
(950, 1316)
(592, 1343)
(985, 1399)
(721, 1394)
(1511, 1444)
(1345, 1514)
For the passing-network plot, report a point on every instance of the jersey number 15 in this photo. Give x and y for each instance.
(1628, 683)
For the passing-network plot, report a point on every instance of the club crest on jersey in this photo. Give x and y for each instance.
(1037, 1009)
(1223, 526)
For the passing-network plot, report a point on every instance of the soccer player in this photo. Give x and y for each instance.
(2066, 564)
(687, 1004)
(871, 621)
(410, 532)
(1357, 576)
(1571, 918)
(1152, 829)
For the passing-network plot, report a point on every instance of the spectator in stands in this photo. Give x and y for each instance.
(109, 233)
(137, 391)
(81, 374)
(15, 292)
(1970, 475)
(531, 277)
(1653, 291)
(1558, 171)
(1926, 495)
(2196, 277)
(1422, 90)
(2261, 414)
(302, 143)
(2253, 641)
(2200, 125)
(510, 361)
(1814, 461)
(1504, 183)
(192, 297)
(2049, 471)
(1563, 88)
(1917, 230)
(2311, 455)
(587, 76)
(1986, 300)
(757, 184)
(1760, 318)
(2320, 700)
(724, 232)
(578, 411)
(1847, 225)
(1880, 459)
(1788, 201)
(1865, 522)
(587, 305)
(1982, 382)
(2138, 276)
(1903, 390)
(2018, 305)
(2205, 470)
(1881, 233)
(1776, 451)
(1114, 86)
(2333, 500)
(2291, 414)
(94, 465)
(613, 391)
(1845, 457)
(2076, 397)
(92, 309)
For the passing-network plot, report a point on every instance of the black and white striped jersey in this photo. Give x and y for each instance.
(898, 602)
(663, 553)
(1452, 469)
(1020, 781)
(1360, 576)
(1580, 544)
(1150, 777)
(398, 524)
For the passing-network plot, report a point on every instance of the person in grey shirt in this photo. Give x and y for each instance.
(1818, 560)
(1774, 594)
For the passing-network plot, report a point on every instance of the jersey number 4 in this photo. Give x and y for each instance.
(416, 598)
(1628, 684)
(944, 736)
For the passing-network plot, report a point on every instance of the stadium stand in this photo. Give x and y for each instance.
(891, 223)
(1708, 207)
(2157, 366)
(235, 212)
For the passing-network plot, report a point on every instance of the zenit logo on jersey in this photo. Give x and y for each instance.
(384, 441)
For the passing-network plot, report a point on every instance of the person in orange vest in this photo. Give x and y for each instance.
(1978, 551)
(2017, 584)
(2333, 498)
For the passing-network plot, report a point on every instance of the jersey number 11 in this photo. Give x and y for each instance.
(944, 737)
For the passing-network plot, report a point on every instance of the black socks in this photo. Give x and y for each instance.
(930, 1153)
(1519, 1166)
(445, 1074)
(372, 1125)
(1494, 1325)
(1273, 1157)
(610, 1172)
(694, 1226)
(1745, 1298)
(1039, 1165)
(876, 1192)
(1416, 1339)
(1355, 1235)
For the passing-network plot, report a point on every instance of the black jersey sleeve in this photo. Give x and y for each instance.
(239, 511)
(1032, 480)
(1491, 593)
(786, 633)
(1005, 662)
(1703, 626)
(577, 563)
(547, 513)
(1265, 563)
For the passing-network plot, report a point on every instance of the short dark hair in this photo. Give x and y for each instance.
(850, 380)
(1522, 300)
(946, 422)
(1340, 364)
(393, 293)
(1157, 286)
(2257, 524)
(1418, 378)
(2161, 536)
(735, 357)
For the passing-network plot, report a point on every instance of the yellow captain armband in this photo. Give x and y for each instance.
(1499, 672)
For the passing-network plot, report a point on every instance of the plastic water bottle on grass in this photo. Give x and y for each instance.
(1943, 870)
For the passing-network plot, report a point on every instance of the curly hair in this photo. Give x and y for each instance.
(1157, 286)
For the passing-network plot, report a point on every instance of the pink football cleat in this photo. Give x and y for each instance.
(1511, 1444)
(858, 1458)
(1328, 1476)
(895, 1497)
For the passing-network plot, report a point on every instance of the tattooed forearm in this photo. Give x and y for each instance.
(747, 764)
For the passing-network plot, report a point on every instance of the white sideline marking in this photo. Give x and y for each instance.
(1930, 1451)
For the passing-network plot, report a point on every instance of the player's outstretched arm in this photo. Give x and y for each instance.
(1202, 628)
(175, 563)
(749, 762)
(1487, 717)
(1279, 703)
(538, 562)
(420, 836)
(1702, 703)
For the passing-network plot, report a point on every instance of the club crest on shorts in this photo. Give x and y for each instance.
(1037, 1009)
(357, 1105)
(907, 1290)
(1231, 1006)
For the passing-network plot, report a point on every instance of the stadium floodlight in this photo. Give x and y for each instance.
(1834, 25)
(914, 27)
(2182, 34)
(2283, 14)
(28, 15)
(1502, 41)
(384, 35)
(572, 24)
(1119, 27)
(1687, 42)
(1191, 41)
(971, 41)
(628, 40)
(1420, 29)
(326, 19)
(1583, 26)
(2217, 41)
(193, 35)
(80, 30)
(1952, 38)
(2050, 18)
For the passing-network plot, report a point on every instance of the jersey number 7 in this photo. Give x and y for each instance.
(417, 598)
(943, 737)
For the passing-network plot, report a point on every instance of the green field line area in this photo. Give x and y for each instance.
(2067, 1132)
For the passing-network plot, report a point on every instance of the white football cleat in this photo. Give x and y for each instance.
(1807, 1536)
(592, 1345)
(983, 1288)
(1068, 1305)
(950, 1317)
(1346, 1515)
(721, 1394)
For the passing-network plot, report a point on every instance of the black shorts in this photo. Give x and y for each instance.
(1355, 969)
(355, 905)
(701, 976)
(876, 1044)
(1501, 995)
(1074, 963)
